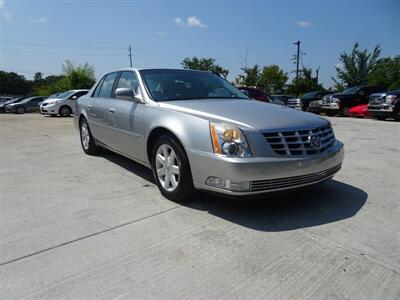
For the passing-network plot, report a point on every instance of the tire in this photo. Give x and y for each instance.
(381, 118)
(87, 141)
(396, 113)
(344, 111)
(173, 177)
(65, 111)
(20, 110)
(329, 113)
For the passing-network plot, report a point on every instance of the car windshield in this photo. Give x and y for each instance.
(65, 95)
(351, 90)
(168, 85)
(310, 94)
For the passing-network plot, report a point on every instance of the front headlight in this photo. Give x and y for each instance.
(390, 98)
(335, 100)
(228, 140)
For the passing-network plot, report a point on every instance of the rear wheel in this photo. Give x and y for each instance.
(65, 111)
(20, 110)
(171, 169)
(381, 118)
(87, 141)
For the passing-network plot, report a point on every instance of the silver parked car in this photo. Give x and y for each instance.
(61, 104)
(197, 131)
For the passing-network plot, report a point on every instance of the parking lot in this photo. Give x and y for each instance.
(74, 226)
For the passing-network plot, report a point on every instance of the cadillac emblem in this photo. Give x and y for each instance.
(315, 141)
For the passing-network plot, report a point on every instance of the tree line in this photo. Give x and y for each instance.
(357, 67)
(72, 77)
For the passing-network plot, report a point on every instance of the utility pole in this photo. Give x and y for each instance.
(130, 54)
(297, 66)
(317, 71)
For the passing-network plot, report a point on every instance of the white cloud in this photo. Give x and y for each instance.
(3, 12)
(303, 23)
(178, 21)
(190, 22)
(161, 33)
(195, 22)
(41, 20)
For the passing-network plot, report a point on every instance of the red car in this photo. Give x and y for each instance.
(360, 111)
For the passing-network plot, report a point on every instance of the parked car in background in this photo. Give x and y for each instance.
(196, 131)
(30, 104)
(255, 93)
(63, 104)
(315, 97)
(385, 105)
(360, 111)
(283, 98)
(277, 102)
(5, 99)
(340, 103)
(294, 103)
(14, 100)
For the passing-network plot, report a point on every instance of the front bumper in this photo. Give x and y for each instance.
(48, 109)
(267, 174)
(385, 110)
(330, 106)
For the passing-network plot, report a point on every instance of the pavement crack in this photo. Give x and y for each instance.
(86, 236)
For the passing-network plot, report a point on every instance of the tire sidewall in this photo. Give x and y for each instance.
(185, 185)
(93, 148)
(67, 108)
(20, 110)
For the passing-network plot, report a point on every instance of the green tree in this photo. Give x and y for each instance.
(204, 64)
(272, 79)
(12, 83)
(307, 83)
(356, 66)
(386, 73)
(38, 76)
(250, 76)
(79, 77)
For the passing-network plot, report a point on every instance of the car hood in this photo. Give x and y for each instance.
(247, 114)
(51, 100)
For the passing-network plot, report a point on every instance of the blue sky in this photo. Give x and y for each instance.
(39, 35)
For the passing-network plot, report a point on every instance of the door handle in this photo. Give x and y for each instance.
(111, 110)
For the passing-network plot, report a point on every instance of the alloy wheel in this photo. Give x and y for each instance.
(85, 136)
(167, 168)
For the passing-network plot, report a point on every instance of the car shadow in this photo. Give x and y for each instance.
(330, 202)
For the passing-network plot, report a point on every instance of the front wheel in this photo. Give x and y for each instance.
(65, 111)
(20, 110)
(396, 113)
(171, 169)
(344, 111)
(87, 141)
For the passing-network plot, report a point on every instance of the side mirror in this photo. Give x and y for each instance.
(124, 94)
(74, 98)
(245, 92)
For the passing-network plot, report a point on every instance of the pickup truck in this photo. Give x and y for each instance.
(385, 105)
(340, 103)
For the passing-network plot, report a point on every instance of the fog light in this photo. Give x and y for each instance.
(227, 184)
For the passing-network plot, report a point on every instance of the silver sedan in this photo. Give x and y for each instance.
(196, 131)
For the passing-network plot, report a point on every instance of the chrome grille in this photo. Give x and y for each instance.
(280, 183)
(301, 142)
(374, 100)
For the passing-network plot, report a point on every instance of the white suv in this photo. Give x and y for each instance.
(63, 104)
